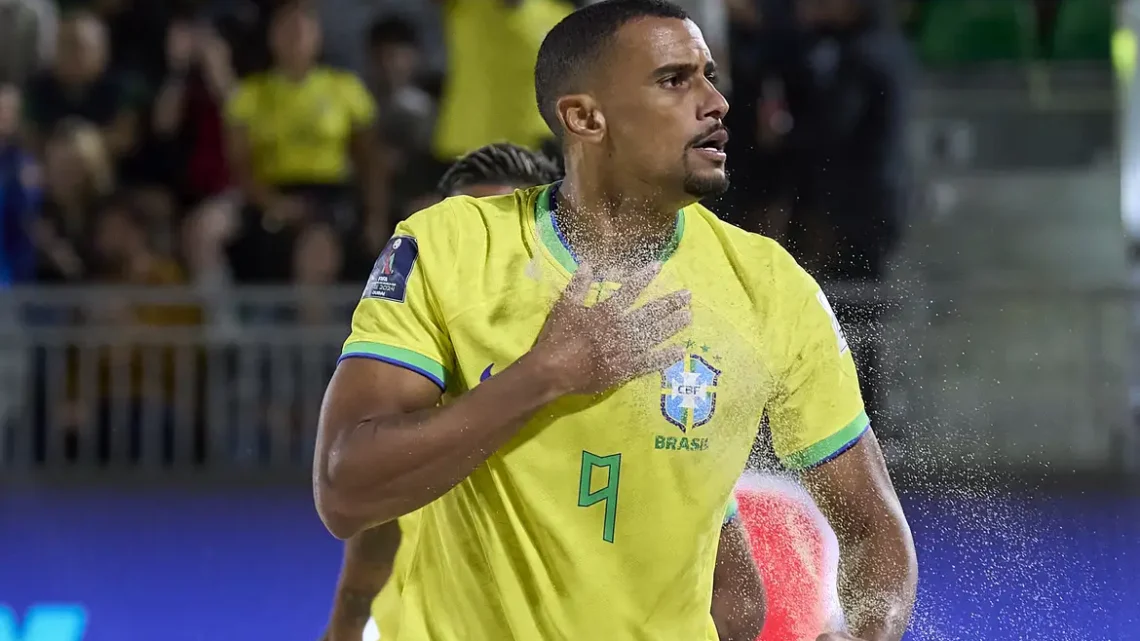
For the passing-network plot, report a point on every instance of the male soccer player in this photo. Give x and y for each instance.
(566, 381)
(366, 604)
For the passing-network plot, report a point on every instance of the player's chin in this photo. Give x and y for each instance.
(703, 183)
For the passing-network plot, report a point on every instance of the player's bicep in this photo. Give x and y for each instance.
(854, 490)
(362, 386)
(817, 412)
(364, 391)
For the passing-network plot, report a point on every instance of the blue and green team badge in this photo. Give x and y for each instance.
(688, 394)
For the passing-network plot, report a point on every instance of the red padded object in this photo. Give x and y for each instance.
(796, 553)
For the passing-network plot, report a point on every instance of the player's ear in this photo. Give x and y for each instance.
(581, 117)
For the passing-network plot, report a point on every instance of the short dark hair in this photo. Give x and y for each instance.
(392, 30)
(575, 44)
(499, 163)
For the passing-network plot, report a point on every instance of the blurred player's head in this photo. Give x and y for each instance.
(629, 88)
(295, 35)
(495, 170)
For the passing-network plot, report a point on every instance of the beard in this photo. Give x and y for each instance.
(705, 185)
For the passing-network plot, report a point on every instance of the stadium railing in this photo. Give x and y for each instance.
(171, 383)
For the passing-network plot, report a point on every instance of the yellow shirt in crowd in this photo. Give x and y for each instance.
(488, 94)
(299, 131)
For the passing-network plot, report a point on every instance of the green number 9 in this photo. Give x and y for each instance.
(609, 493)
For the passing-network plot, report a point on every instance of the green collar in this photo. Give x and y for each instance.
(555, 242)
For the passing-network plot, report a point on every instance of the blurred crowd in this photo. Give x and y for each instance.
(200, 142)
(210, 143)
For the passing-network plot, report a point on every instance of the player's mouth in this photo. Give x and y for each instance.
(712, 146)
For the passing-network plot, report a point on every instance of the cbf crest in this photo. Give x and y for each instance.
(688, 392)
(389, 277)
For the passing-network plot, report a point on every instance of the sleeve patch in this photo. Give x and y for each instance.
(839, 335)
(393, 268)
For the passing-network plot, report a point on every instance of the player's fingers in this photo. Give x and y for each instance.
(659, 308)
(632, 287)
(658, 360)
(652, 334)
(579, 285)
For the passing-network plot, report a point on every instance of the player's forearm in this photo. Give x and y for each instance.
(877, 582)
(382, 467)
(351, 610)
(367, 567)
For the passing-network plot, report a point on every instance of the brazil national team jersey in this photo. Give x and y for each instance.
(386, 606)
(600, 519)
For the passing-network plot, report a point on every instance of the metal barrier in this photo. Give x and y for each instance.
(177, 380)
(165, 379)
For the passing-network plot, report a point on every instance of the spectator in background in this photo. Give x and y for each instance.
(488, 93)
(136, 31)
(123, 252)
(78, 173)
(135, 381)
(19, 194)
(79, 84)
(187, 114)
(763, 39)
(407, 112)
(848, 131)
(847, 93)
(189, 133)
(297, 133)
(27, 38)
(407, 120)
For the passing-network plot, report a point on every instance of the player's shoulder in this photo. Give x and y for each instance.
(760, 260)
(469, 224)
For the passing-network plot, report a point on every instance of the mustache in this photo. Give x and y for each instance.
(705, 134)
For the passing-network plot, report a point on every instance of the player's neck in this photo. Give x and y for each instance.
(612, 228)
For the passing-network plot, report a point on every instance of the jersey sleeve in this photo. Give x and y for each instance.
(398, 319)
(361, 107)
(817, 411)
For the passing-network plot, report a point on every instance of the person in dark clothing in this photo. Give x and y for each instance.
(829, 117)
(847, 100)
(81, 85)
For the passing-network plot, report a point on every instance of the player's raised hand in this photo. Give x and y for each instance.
(589, 349)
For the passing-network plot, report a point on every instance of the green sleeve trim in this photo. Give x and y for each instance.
(732, 512)
(399, 356)
(829, 447)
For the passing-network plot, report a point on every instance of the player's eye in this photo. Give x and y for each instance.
(713, 78)
(674, 81)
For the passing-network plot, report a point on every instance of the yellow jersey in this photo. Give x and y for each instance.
(299, 131)
(600, 519)
(386, 605)
(488, 93)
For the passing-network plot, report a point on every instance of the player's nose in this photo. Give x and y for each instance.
(714, 105)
